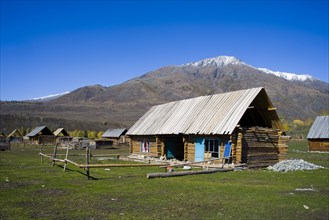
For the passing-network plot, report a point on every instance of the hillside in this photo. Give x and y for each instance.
(98, 107)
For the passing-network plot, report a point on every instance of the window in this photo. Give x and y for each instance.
(212, 146)
(145, 146)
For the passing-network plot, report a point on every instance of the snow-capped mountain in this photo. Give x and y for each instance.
(222, 61)
(288, 76)
(97, 107)
(48, 97)
(219, 61)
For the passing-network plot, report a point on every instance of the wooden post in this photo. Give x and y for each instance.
(87, 161)
(54, 154)
(66, 156)
(238, 149)
(41, 151)
(130, 142)
(282, 145)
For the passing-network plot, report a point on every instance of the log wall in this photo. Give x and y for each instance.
(318, 144)
(262, 147)
(189, 148)
(135, 145)
(189, 145)
(46, 139)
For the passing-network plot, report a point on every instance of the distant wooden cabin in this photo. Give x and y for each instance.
(61, 132)
(41, 135)
(318, 136)
(4, 142)
(117, 136)
(62, 135)
(16, 137)
(198, 129)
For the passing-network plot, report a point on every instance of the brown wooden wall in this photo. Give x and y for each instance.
(318, 144)
(189, 145)
(46, 139)
(189, 148)
(257, 147)
(262, 147)
(135, 145)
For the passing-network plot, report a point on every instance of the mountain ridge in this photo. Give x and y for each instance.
(99, 107)
(215, 61)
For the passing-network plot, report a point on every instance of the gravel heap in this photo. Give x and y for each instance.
(293, 165)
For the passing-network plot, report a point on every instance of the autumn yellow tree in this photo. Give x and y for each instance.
(91, 134)
(285, 126)
(99, 134)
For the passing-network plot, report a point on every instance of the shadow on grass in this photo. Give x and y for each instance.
(78, 171)
(99, 178)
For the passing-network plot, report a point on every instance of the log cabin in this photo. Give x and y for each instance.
(318, 136)
(41, 135)
(199, 129)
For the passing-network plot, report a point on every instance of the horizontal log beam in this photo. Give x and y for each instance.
(190, 163)
(117, 165)
(185, 173)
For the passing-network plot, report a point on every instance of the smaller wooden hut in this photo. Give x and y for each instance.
(318, 136)
(16, 137)
(61, 132)
(41, 135)
(62, 136)
(116, 135)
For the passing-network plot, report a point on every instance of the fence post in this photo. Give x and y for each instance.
(66, 156)
(87, 161)
(41, 151)
(54, 154)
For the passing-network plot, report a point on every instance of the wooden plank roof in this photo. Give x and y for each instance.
(114, 133)
(15, 133)
(320, 128)
(43, 129)
(61, 131)
(213, 114)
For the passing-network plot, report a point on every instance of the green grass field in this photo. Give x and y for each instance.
(34, 190)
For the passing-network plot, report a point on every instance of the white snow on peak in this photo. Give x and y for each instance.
(288, 76)
(49, 97)
(217, 61)
(222, 61)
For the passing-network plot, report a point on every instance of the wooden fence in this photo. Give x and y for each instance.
(87, 165)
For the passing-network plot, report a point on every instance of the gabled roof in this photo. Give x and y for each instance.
(12, 134)
(61, 130)
(2, 134)
(320, 128)
(44, 130)
(213, 114)
(114, 133)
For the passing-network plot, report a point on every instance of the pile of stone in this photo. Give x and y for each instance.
(293, 165)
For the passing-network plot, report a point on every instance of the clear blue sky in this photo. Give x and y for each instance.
(49, 47)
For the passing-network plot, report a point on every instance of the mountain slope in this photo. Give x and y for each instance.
(121, 105)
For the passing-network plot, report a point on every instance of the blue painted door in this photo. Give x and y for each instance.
(199, 149)
(227, 150)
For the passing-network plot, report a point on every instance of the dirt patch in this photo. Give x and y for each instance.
(50, 192)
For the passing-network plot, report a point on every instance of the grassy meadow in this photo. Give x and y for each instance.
(34, 190)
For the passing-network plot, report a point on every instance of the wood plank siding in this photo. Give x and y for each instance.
(318, 144)
(262, 147)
